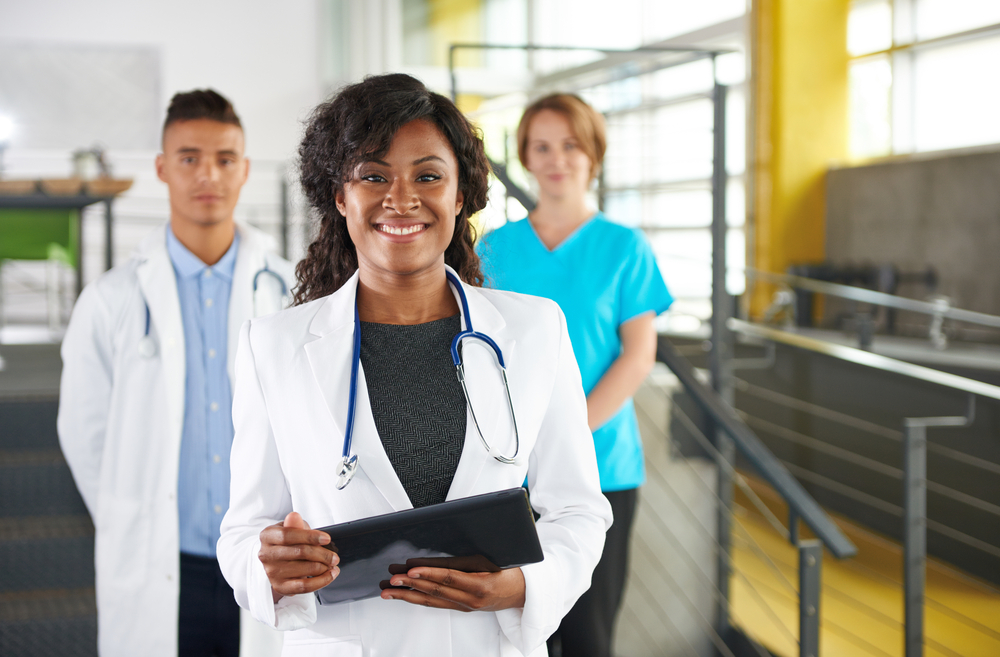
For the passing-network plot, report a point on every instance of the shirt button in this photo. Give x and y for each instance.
(217, 458)
(211, 353)
(218, 509)
(214, 406)
(208, 303)
(208, 273)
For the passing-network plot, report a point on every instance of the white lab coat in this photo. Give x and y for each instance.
(120, 422)
(289, 409)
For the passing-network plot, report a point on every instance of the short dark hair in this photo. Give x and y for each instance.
(201, 104)
(359, 124)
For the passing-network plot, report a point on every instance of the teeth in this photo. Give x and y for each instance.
(404, 230)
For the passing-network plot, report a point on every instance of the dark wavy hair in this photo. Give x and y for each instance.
(359, 124)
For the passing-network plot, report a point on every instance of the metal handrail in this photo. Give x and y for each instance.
(799, 501)
(863, 295)
(867, 358)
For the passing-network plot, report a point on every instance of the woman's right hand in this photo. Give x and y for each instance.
(294, 557)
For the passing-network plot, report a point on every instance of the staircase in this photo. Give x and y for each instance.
(47, 603)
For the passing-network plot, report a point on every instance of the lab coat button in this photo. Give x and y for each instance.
(170, 578)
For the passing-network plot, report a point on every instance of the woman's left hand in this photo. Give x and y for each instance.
(444, 588)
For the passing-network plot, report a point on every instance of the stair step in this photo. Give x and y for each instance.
(29, 425)
(54, 622)
(44, 563)
(37, 483)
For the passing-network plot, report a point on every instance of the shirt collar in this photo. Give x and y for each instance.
(187, 264)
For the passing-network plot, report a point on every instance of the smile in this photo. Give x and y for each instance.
(401, 230)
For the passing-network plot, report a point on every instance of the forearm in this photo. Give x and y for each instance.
(619, 383)
(627, 372)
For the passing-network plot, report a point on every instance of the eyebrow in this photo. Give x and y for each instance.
(415, 162)
(192, 150)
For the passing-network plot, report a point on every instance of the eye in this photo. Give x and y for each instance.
(570, 146)
(428, 177)
(541, 148)
(188, 160)
(373, 177)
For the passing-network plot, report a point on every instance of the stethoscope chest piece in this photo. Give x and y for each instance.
(348, 466)
(147, 347)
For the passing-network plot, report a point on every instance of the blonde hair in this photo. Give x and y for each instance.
(585, 122)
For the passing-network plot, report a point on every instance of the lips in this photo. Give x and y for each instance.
(208, 198)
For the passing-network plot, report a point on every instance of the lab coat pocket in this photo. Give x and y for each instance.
(122, 542)
(344, 646)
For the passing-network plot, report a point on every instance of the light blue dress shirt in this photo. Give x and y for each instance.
(602, 276)
(203, 478)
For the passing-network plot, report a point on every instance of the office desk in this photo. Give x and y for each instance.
(21, 207)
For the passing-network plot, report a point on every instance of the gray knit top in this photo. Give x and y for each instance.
(417, 402)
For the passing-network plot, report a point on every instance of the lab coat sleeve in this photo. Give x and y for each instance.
(85, 390)
(258, 498)
(564, 486)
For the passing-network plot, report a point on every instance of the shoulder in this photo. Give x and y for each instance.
(509, 232)
(524, 312)
(605, 229)
(285, 325)
(112, 286)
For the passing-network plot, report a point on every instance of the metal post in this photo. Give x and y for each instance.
(109, 243)
(810, 564)
(284, 215)
(720, 356)
(915, 520)
(793, 526)
(914, 534)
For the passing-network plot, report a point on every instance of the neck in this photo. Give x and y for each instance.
(208, 242)
(405, 299)
(554, 219)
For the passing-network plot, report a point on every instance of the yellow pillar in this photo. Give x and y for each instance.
(800, 101)
(457, 21)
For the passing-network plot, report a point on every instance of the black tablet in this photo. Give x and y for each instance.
(475, 534)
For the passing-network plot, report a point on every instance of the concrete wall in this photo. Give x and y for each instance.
(939, 210)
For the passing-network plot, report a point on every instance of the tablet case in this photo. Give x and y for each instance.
(483, 533)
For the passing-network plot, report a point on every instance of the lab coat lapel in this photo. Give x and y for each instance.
(486, 393)
(330, 357)
(158, 283)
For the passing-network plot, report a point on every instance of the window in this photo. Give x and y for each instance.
(917, 75)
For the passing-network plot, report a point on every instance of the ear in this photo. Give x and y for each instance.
(459, 202)
(159, 167)
(341, 202)
(246, 170)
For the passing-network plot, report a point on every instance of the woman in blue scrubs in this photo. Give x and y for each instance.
(605, 278)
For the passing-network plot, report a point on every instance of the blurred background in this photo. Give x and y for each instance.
(819, 179)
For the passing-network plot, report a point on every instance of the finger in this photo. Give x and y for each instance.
(304, 584)
(300, 552)
(278, 535)
(422, 599)
(295, 521)
(283, 570)
(464, 592)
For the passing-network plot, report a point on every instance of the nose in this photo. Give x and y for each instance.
(402, 197)
(208, 171)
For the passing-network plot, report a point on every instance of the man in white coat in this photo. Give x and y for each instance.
(145, 400)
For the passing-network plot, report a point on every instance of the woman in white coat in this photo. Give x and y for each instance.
(394, 173)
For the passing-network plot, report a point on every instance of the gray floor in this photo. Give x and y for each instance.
(668, 600)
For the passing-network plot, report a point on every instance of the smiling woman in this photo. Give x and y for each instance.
(394, 173)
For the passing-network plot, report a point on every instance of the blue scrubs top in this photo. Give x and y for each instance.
(602, 275)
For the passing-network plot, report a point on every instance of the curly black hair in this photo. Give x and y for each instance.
(359, 124)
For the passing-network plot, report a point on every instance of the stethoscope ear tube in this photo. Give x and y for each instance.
(147, 346)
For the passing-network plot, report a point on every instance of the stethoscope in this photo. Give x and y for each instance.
(349, 462)
(147, 345)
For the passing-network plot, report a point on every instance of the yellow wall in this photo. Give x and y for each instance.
(456, 21)
(800, 113)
